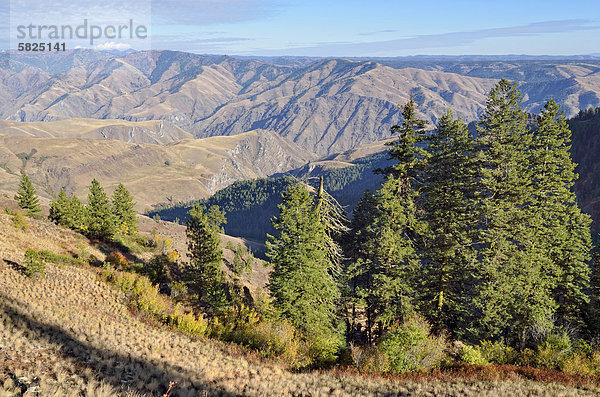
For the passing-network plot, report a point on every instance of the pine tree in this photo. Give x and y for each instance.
(386, 234)
(203, 274)
(122, 204)
(301, 283)
(26, 196)
(60, 209)
(512, 290)
(101, 220)
(360, 268)
(566, 230)
(445, 194)
(78, 216)
(397, 228)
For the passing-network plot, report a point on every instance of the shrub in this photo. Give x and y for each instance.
(19, 221)
(411, 347)
(188, 323)
(471, 355)
(553, 350)
(146, 298)
(527, 357)
(178, 289)
(277, 339)
(34, 266)
(274, 338)
(49, 256)
(577, 364)
(118, 260)
(369, 359)
(496, 352)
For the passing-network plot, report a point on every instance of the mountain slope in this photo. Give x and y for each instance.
(184, 170)
(323, 105)
(155, 131)
(71, 333)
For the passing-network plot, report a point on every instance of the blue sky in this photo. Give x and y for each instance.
(331, 28)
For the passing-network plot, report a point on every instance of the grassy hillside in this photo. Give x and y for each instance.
(154, 174)
(151, 131)
(71, 333)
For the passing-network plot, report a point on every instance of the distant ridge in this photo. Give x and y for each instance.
(324, 105)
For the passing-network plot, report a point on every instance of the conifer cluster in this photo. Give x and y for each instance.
(480, 232)
(101, 218)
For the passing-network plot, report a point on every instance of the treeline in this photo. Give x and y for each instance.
(101, 218)
(248, 206)
(347, 184)
(475, 236)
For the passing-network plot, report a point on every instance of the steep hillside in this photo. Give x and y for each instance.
(184, 170)
(323, 105)
(250, 205)
(71, 333)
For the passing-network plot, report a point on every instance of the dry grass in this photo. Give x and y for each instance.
(72, 334)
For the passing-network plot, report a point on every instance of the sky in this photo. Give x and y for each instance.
(314, 28)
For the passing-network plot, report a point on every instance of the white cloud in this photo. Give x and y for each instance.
(111, 45)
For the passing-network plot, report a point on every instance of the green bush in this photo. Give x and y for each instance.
(527, 357)
(553, 350)
(471, 355)
(411, 347)
(178, 290)
(35, 267)
(146, 298)
(577, 364)
(271, 337)
(19, 221)
(57, 259)
(496, 352)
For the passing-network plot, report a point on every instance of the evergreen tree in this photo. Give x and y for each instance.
(301, 283)
(512, 290)
(60, 209)
(122, 204)
(361, 266)
(78, 216)
(565, 233)
(101, 221)
(386, 233)
(26, 196)
(203, 274)
(446, 196)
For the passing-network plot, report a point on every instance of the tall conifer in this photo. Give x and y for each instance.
(302, 282)
(26, 196)
(122, 204)
(512, 290)
(447, 195)
(565, 230)
(204, 274)
(101, 220)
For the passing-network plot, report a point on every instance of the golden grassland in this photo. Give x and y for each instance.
(187, 169)
(70, 333)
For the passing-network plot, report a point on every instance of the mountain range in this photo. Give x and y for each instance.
(177, 126)
(323, 105)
